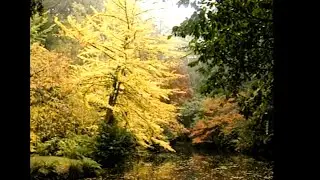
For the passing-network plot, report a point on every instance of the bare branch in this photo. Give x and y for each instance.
(31, 75)
(114, 17)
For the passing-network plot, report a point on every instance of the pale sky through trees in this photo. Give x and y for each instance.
(167, 13)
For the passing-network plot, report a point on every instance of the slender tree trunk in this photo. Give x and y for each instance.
(109, 118)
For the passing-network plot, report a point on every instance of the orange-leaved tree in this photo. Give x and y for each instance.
(220, 115)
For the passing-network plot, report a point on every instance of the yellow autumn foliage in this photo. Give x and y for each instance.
(125, 68)
(56, 108)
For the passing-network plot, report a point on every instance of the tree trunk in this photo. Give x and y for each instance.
(112, 102)
(109, 117)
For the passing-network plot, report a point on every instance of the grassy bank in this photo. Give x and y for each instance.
(52, 167)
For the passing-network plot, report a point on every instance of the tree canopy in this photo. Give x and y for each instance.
(234, 42)
(107, 86)
(123, 72)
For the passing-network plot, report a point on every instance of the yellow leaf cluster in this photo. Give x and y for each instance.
(47, 69)
(56, 108)
(124, 59)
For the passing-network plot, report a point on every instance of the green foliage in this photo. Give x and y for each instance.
(190, 111)
(47, 148)
(51, 167)
(76, 147)
(255, 134)
(196, 79)
(252, 138)
(114, 145)
(39, 28)
(90, 167)
(234, 42)
(36, 6)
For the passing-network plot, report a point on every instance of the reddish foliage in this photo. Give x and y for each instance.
(182, 84)
(219, 114)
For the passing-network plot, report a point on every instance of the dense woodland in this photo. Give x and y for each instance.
(106, 86)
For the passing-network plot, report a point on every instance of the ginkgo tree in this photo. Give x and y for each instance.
(125, 67)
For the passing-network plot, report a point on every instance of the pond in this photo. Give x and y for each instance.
(188, 164)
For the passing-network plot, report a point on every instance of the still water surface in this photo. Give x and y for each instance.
(193, 165)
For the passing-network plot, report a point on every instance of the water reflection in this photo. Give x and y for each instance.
(194, 166)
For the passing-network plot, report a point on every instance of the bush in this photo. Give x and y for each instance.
(220, 117)
(47, 148)
(256, 133)
(76, 147)
(114, 144)
(191, 111)
(90, 167)
(51, 167)
(253, 139)
(33, 142)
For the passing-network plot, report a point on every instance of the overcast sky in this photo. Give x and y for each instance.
(170, 15)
